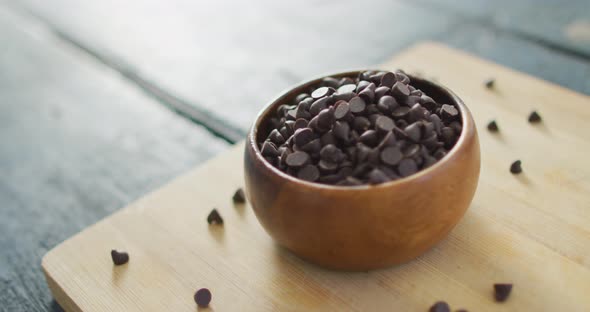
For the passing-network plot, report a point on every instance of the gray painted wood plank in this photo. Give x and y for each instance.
(232, 57)
(521, 55)
(563, 22)
(76, 144)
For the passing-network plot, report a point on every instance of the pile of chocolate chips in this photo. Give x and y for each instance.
(373, 128)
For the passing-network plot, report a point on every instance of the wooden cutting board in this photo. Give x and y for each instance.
(532, 230)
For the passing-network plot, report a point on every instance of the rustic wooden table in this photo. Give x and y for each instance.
(102, 101)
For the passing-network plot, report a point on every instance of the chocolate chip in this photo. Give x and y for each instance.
(361, 123)
(320, 92)
(328, 138)
(416, 113)
(119, 257)
(303, 136)
(414, 132)
(330, 82)
(369, 138)
(381, 91)
(407, 166)
(214, 217)
(325, 119)
(331, 154)
(239, 197)
(439, 153)
(341, 130)
(300, 124)
(449, 112)
(502, 291)
(493, 126)
(377, 176)
(534, 117)
(357, 105)
(347, 88)
(427, 102)
(318, 106)
(362, 85)
(411, 151)
(371, 109)
(387, 104)
(301, 97)
(400, 91)
(400, 112)
(388, 79)
(341, 110)
(302, 113)
(269, 149)
(391, 155)
(489, 83)
(312, 147)
(384, 124)
(368, 93)
(327, 166)
(309, 173)
(297, 159)
(440, 306)
(448, 136)
(203, 297)
(276, 137)
(516, 167)
(350, 181)
(437, 123)
(387, 140)
(346, 80)
(402, 77)
(457, 127)
(343, 96)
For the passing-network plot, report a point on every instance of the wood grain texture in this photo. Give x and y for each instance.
(76, 143)
(531, 230)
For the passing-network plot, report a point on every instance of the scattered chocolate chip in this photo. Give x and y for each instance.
(203, 297)
(214, 217)
(502, 291)
(119, 257)
(534, 117)
(440, 306)
(239, 197)
(493, 126)
(489, 83)
(516, 167)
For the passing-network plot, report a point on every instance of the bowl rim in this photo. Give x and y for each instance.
(466, 118)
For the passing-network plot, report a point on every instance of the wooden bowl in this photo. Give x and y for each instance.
(364, 227)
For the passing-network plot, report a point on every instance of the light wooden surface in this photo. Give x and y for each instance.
(532, 230)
